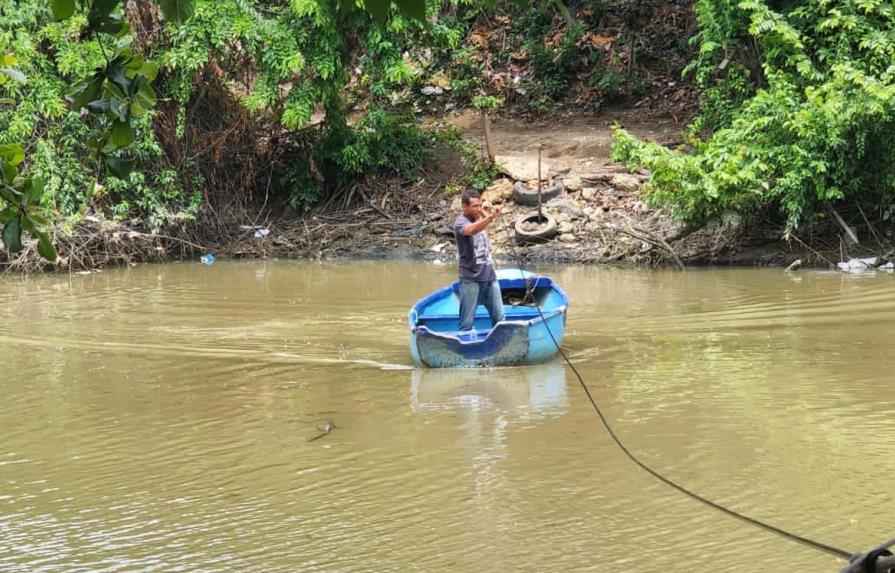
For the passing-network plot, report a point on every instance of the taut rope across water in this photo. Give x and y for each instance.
(877, 560)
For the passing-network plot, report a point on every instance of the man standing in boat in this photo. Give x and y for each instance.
(478, 281)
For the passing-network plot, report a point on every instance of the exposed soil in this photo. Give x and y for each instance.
(579, 144)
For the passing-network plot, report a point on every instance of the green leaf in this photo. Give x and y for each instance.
(113, 25)
(62, 9)
(85, 92)
(561, 6)
(119, 108)
(112, 90)
(122, 134)
(99, 106)
(146, 96)
(135, 63)
(35, 190)
(95, 143)
(119, 167)
(415, 9)
(150, 70)
(14, 74)
(137, 110)
(122, 57)
(45, 247)
(27, 226)
(177, 11)
(9, 173)
(378, 9)
(12, 153)
(117, 75)
(102, 9)
(12, 235)
(123, 32)
(38, 220)
(7, 215)
(9, 195)
(7, 101)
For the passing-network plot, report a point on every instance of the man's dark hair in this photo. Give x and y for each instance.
(469, 195)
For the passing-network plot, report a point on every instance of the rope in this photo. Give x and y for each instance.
(781, 532)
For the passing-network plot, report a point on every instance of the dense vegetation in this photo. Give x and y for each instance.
(797, 113)
(150, 111)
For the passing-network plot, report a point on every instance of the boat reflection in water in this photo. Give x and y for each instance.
(528, 391)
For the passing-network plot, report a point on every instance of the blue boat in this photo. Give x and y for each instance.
(532, 304)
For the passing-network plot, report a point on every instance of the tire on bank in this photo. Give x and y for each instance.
(523, 196)
(534, 228)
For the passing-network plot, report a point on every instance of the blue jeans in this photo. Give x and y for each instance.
(472, 294)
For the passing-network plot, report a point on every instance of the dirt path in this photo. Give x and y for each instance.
(580, 145)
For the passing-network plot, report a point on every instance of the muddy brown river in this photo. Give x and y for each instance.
(158, 419)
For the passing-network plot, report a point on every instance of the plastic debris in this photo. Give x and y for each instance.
(207, 259)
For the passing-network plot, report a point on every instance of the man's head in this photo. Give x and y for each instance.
(471, 201)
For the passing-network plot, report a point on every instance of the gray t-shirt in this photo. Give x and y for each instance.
(476, 263)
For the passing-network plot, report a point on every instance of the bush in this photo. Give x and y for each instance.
(815, 128)
(379, 143)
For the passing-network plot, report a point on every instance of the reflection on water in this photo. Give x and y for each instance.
(157, 419)
(526, 392)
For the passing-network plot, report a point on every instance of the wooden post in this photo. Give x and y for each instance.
(540, 213)
(848, 230)
(489, 146)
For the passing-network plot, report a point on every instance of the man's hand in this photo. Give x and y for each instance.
(489, 213)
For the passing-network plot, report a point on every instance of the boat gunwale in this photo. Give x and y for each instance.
(414, 315)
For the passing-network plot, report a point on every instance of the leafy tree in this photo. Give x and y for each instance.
(115, 84)
(811, 125)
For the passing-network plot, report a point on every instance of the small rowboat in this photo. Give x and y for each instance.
(532, 304)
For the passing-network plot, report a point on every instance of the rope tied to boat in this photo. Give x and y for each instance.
(878, 560)
(868, 563)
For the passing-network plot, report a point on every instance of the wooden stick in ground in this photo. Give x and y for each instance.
(873, 232)
(658, 242)
(373, 204)
(818, 255)
(540, 212)
(844, 226)
(648, 237)
(489, 145)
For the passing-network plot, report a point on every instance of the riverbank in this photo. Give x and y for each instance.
(600, 213)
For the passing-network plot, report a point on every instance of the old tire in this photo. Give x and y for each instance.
(546, 229)
(523, 196)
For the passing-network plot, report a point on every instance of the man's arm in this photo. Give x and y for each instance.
(481, 224)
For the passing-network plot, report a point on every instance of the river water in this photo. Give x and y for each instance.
(158, 418)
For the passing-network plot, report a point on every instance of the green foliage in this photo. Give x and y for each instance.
(531, 56)
(89, 43)
(21, 197)
(379, 143)
(117, 92)
(293, 61)
(486, 102)
(815, 129)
